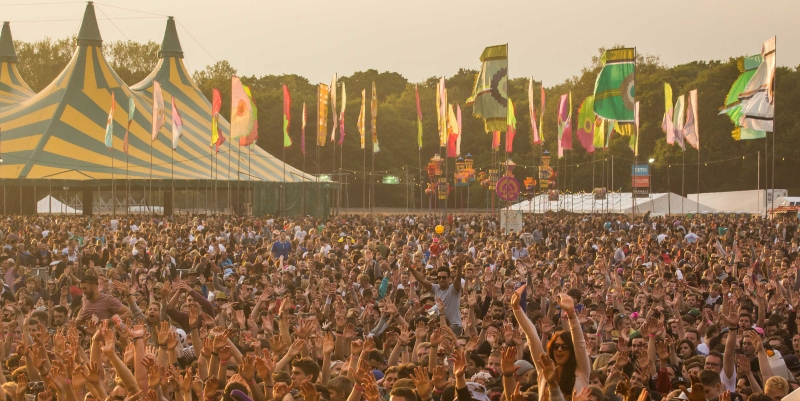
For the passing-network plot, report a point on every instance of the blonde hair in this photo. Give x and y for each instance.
(776, 383)
(601, 361)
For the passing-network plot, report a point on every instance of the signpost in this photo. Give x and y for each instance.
(640, 180)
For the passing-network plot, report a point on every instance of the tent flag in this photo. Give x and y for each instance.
(158, 110)
(341, 116)
(535, 140)
(419, 118)
(634, 142)
(361, 116)
(541, 117)
(452, 135)
(599, 140)
(131, 111)
(691, 131)
(220, 139)
(666, 122)
(442, 110)
(177, 125)
(216, 106)
(614, 90)
(333, 108)
(253, 135)
(303, 131)
(322, 114)
(458, 121)
(678, 118)
(733, 106)
(564, 124)
(373, 110)
(585, 130)
(439, 113)
(511, 129)
(496, 140)
(110, 124)
(489, 98)
(287, 116)
(241, 110)
(758, 101)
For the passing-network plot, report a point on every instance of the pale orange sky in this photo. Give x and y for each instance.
(550, 40)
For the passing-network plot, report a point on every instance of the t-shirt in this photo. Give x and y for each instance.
(452, 302)
(104, 306)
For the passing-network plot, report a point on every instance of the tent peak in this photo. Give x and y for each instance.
(171, 45)
(7, 51)
(89, 34)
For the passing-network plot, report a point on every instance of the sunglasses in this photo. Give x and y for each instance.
(565, 347)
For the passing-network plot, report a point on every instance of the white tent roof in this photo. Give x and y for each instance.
(751, 202)
(666, 203)
(788, 201)
(51, 205)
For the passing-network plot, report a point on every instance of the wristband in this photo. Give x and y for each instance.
(508, 374)
(359, 388)
(216, 354)
(652, 335)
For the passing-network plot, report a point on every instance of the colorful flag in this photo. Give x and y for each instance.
(634, 141)
(489, 93)
(614, 90)
(733, 106)
(460, 133)
(333, 108)
(253, 135)
(535, 139)
(496, 140)
(177, 125)
(110, 124)
(216, 106)
(565, 124)
(452, 133)
(678, 116)
(322, 114)
(220, 139)
(419, 118)
(586, 121)
(666, 122)
(691, 131)
(541, 116)
(442, 110)
(341, 116)
(758, 107)
(511, 127)
(303, 131)
(131, 112)
(373, 110)
(287, 116)
(362, 116)
(241, 110)
(158, 110)
(768, 53)
(599, 133)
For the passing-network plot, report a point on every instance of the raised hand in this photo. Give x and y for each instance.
(516, 297)
(459, 363)
(549, 371)
(308, 391)
(247, 369)
(698, 390)
(566, 303)
(422, 382)
(507, 358)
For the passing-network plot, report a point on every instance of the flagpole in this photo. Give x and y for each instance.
(150, 201)
(772, 198)
(250, 178)
(113, 194)
(127, 186)
(336, 207)
(683, 175)
(303, 184)
(283, 184)
(210, 172)
(421, 191)
(172, 179)
(230, 149)
(316, 142)
(364, 192)
(238, 177)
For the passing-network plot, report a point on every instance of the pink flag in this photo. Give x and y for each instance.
(541, 117)
(303, 131)
(496, 140)
(532, 110)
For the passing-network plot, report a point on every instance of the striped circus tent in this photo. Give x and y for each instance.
(59, 132)
(13, 88)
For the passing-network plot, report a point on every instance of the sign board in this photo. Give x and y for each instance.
(511, 220)
(507, 188)
(640, 181)
(391, 179)
(641, 169)
(641, 192)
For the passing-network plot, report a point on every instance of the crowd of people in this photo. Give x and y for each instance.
(399, 308)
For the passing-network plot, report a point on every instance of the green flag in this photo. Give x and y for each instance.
(489, 98)
(733, 107)
(599, 133)
(614, 90)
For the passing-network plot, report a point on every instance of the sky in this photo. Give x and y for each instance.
(550, 40)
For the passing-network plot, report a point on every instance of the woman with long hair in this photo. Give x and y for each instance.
(567, 349)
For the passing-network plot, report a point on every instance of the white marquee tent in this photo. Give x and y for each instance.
(51, 205)
(660, 203)
(750, 202)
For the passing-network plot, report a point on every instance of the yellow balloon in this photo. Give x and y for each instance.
(439, 229)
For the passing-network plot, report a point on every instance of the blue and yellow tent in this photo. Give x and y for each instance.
(13, 88)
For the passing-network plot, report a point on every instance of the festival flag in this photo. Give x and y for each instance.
(599, 133)
(177, 125)
(362, 116)
(419, 118)
(287, 116)
(442, 110)
(452, 135)
(131, 112)
(511, 126)
(303, 131)
(341, 116)
(541, 117)
(564, 124)
(460, 133)
(733, 106)
(333, 108)
(585, 130)
(535, 140)
(220, 139)
(216, 106)
(614, 90)
(678, 118)
(758, 101)
(158, 110)
(373, 110)
(691, 131)
(489, 93)
(253, 135)
(634, 141)
(241, 110)
(322, 114)
(496, 140)
(110, 124)
(666, 122)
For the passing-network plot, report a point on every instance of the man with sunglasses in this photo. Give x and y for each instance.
(449, 292)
